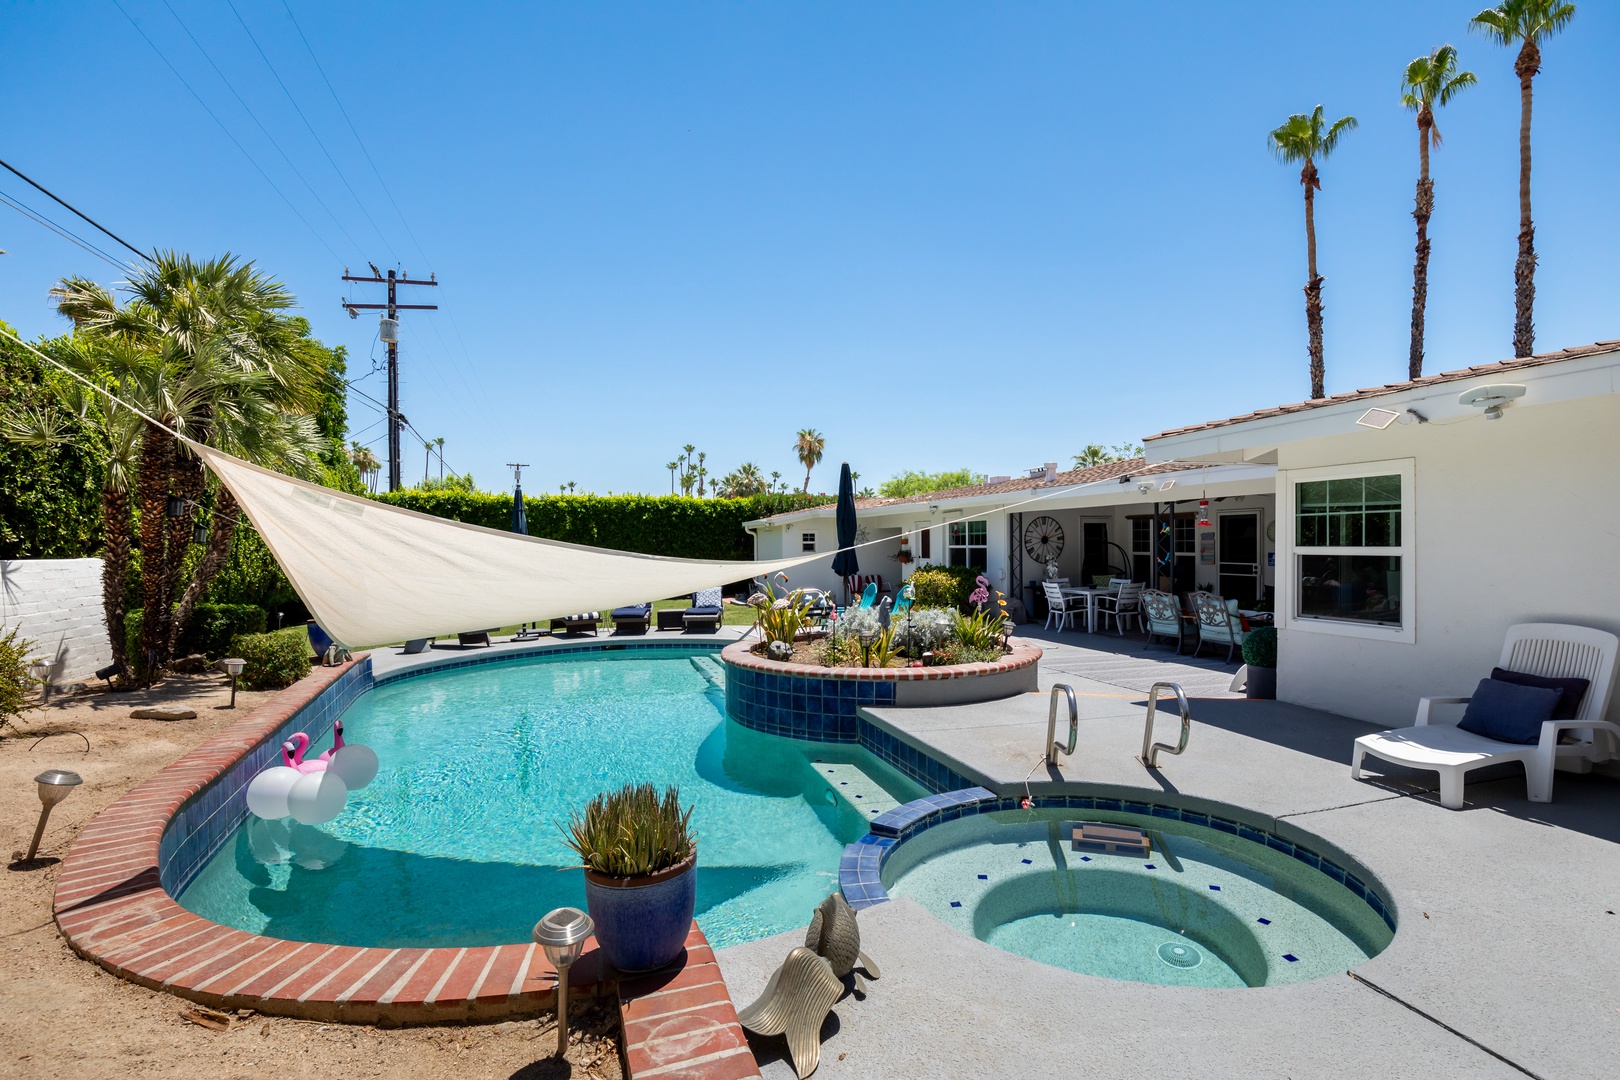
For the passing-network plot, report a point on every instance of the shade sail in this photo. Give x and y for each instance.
(371, 573)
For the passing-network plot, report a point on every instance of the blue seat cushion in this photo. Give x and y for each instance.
(1509, 712)
(702, 612)
(633, 611)
(1568, 705)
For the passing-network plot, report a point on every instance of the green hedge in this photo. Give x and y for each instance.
(670, 525)
(273, 661)
(944, 586)
(210, 631)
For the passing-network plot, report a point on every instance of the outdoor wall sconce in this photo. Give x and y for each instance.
(54, 786)
(233, 668)
(562, 935)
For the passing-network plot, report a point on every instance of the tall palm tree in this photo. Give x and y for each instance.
(1304, 139)
(1525, 23)
(439, 445)
(688, 477)
(672, 466)
(776, 480)
(809, 446)
(702, 471)
(1429, 82)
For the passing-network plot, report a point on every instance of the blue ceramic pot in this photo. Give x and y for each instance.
(642, 923)
(319, 640)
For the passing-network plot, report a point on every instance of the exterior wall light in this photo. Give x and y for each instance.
(54, 786)
(562, 935)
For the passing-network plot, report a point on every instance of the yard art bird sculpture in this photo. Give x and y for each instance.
(809, 983)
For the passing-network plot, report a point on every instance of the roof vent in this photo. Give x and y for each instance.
(998, 480)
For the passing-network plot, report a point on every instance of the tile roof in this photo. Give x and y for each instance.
(1106, 471)
(1477, 371)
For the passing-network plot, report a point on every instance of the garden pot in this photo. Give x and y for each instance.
(1262, 682)
(642, 922)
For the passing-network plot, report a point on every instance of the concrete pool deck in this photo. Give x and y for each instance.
(1503, 963)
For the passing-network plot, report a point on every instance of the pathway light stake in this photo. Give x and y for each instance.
(562, 935)
(54, 786)
(867, 637)
(233, 668)
(40, 672)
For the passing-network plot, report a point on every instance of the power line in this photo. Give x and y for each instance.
(263, 130)
(51, 194)
(228, 133)
(64, 232)
(311, 128)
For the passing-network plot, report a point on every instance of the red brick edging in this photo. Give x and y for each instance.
(112, 909)
(1023, 654)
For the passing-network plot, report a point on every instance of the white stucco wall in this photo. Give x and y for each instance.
(57, 604)
(1516, 520)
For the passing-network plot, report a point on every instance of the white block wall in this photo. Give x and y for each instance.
(57, 605)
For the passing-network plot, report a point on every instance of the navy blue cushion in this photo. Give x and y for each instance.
(1509, 712)
(634, 611)
(702, 612)
(1568, 705)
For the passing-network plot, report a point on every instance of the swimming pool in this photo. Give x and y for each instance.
(456, 841)
(1204, 907)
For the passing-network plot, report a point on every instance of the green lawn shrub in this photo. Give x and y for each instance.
(944, 586)
(1260, 647)
(273, 661)
(210, 631)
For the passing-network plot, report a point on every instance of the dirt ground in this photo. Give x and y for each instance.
(61, 1016)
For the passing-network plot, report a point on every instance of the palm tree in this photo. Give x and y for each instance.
(439, 445)
(672, 466)
(1303, 139)
(701, 472)
(776, 480)
(688, 477)
(1430, 81)
(1093, 454)
(744, 481)
(570, 487)
(367, 463)
(809, 447)
(1524, 22)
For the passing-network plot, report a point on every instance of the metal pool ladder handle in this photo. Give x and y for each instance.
(1150, 754)
(1053, 747)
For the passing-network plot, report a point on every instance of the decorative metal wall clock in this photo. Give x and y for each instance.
(1043, 539)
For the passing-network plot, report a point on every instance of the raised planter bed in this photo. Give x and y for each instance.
(806, 701)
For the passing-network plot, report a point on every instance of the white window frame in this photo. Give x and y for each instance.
(1287, 569)
(967, 548)
(807, 542)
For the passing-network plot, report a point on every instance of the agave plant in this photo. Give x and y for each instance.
(632, 832)
(781, 617)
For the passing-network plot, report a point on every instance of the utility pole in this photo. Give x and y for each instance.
(390, 334)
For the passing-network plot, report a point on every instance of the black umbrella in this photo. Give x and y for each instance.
(520, 515)
(844, 564)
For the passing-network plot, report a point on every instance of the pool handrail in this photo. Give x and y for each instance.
(1150, 753)
(1053, 747)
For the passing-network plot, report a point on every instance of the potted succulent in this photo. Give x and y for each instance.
(1260, 654)
(640, 859)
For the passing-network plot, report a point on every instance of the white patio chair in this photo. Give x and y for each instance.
(1124, 603)
(1060, 607)
(1552, 650)
(1218, 623)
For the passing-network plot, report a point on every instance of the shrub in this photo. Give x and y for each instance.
(273, 661)
(781, 617)
(1260, 647)
(210, 631)
(15, 680)
(631, 832)
(943, 586)
(954, 652)
(924, 630)
(841, 650)
(985, 629)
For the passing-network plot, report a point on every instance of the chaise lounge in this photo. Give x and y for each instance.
(1543, 705)
(706, 611)
(569, 625)
(632, 619)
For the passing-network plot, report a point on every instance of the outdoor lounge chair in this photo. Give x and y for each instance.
(1532, 655)
(570, 625)
(1161, 612)
(632, 619)
(706, 611)
(1218, 623)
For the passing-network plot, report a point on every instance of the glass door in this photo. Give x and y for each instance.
(1238, 549)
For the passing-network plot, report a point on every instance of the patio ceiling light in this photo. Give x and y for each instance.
(1145, 486)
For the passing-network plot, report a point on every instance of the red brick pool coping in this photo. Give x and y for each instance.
(112, 909)
(1023, 654)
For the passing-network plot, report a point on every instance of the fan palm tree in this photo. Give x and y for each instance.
(776, 480)
(1525, 23)
(439, 446)
(672, 466)
(1429, 82)
(744, 481)
(1304, 139)
(1093, 454)
(809, 446)
(688, 477)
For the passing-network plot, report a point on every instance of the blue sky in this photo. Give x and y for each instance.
(945, 235)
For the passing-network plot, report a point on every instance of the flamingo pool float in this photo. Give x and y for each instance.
(292, 751)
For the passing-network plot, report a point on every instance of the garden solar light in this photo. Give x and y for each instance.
(562, 935)
(867, 637)
(233, 668)
(54, 786)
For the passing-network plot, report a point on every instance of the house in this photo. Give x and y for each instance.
(1121, 517)
(1416, 521)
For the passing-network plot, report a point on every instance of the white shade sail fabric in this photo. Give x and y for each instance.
(371, 573)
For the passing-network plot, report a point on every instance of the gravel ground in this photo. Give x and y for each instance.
(60, 1015)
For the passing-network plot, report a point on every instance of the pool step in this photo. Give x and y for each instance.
(710, 670)
(855, 788)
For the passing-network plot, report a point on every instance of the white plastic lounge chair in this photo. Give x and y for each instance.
(1549, 650)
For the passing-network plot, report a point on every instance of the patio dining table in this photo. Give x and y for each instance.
(1090, 596)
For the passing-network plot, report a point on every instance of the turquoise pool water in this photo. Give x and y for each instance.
(1204, 908)
(456, 841)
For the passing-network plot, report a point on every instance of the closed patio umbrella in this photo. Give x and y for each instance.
(844, 564)
(520, 515)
